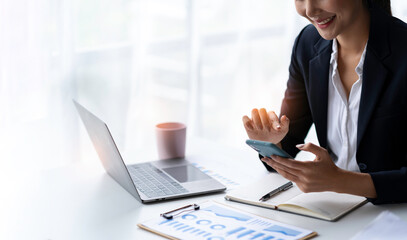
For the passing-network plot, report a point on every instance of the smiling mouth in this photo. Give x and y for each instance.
(325, 21)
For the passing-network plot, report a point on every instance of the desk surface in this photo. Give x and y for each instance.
(82, 202)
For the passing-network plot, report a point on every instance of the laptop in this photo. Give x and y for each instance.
(148, 181)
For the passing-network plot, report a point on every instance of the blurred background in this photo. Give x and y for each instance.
(136, 63)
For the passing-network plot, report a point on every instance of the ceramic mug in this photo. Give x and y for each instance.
(171, 139)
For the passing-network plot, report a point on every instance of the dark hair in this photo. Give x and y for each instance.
(384, 4)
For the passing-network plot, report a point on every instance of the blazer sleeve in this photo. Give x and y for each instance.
(295, 105)
(390, 186)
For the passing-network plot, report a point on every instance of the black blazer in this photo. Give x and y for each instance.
(382, 123)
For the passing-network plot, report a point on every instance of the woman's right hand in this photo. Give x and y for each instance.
(265, 126)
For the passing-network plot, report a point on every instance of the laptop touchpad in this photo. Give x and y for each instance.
(186, 173)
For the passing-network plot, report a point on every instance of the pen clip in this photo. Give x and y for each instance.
(170, 214)
(287, 187)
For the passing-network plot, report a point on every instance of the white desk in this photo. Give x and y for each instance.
(82, 202)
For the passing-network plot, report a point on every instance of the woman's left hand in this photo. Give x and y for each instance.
(310, 176)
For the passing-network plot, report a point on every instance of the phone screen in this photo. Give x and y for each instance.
(267, 149)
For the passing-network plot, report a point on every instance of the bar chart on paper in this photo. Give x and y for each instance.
(215, 221)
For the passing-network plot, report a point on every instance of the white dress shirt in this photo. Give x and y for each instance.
(343, 114)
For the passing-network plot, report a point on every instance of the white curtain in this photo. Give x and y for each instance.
(35, 81)
(135, 63)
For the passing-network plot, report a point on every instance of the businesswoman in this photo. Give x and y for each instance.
(348, 76)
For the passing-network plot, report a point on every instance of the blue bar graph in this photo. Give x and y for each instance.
(182, 227)
(245, 233)
(268, 238)
(179, 224)
(257, 235)
(165, 221)
(235, 231)
(196, 230)
(200, 233)
(186, 230)
(207, 235)
(172, 223)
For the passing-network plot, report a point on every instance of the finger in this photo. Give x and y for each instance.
(291, 174)
(256, 119)
(285, 122)
(312, 148)
(274, 120)
(248, 124)
(287, 175)
(288, 163)
(265, 119)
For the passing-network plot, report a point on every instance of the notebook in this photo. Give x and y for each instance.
(218, 221)
(328, 206)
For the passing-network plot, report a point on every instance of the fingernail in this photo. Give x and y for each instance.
(278, 127)
(299, 146)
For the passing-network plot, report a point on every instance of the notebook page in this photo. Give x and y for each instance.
(251, 193)
(328, 204)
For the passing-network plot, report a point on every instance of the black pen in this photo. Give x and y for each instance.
(275, 191)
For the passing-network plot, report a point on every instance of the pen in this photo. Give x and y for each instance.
(275, 191)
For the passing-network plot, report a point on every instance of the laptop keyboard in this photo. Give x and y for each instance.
(153, 182)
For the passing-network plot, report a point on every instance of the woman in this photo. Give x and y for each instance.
(348, 76)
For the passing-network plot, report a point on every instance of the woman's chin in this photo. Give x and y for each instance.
(327, 35)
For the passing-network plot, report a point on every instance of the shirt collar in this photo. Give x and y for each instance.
(334, 57)
(334, 54)
(359, 67)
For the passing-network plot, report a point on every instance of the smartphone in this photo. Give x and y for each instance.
(267, 149)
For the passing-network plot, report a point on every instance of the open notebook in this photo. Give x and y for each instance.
(324, 205)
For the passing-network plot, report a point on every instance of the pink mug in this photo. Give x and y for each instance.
(171, 138)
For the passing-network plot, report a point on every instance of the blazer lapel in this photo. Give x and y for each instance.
(318, 88)
(374, 72)
(374, 77)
